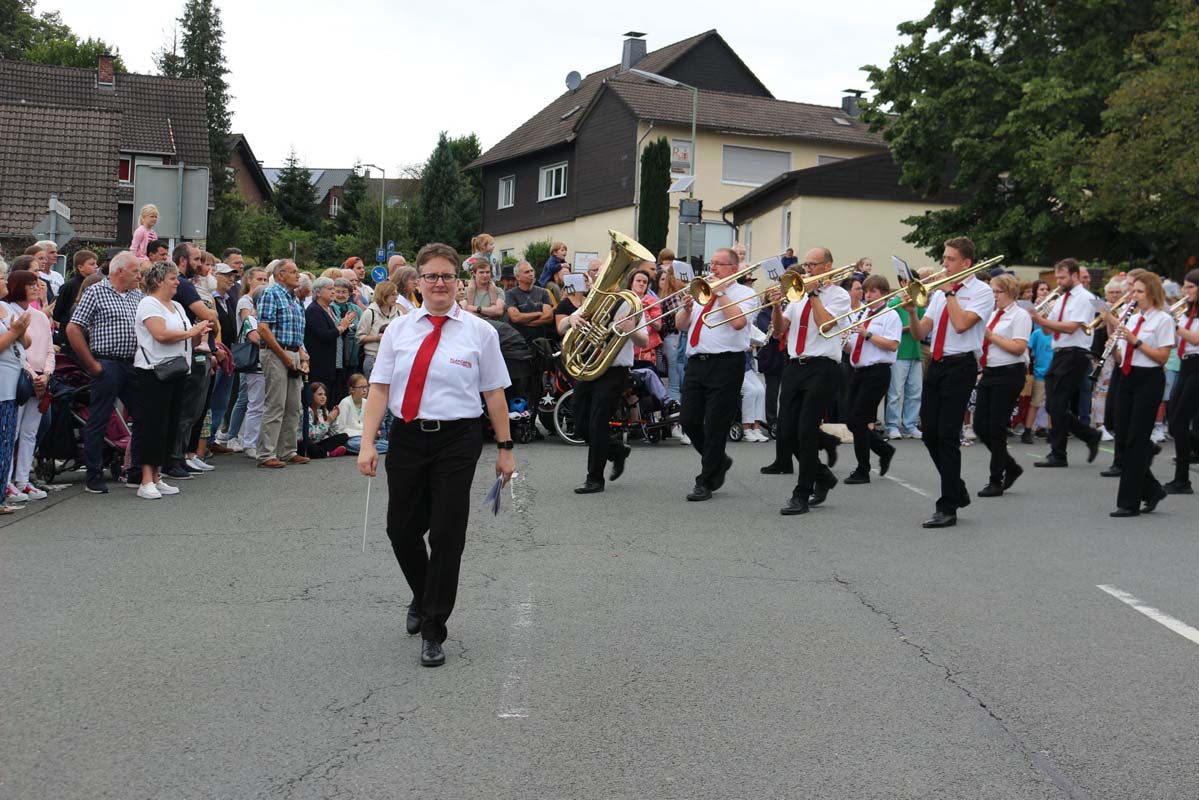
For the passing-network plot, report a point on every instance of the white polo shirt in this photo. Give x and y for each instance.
(836, 302)
(974, 296)
(1158, 330)
(1077, 305)
(1014, 323)
(466, 363)
(726, 338)
(885, 324)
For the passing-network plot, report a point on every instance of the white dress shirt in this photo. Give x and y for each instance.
(625, 357)
(1014, 323)
(466, 363)
(726, 338)
(885, 324)
(836, 302)
(1158, 330)
(974, 296)
(1078, 308)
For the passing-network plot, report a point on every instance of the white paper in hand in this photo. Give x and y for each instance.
(492, 500)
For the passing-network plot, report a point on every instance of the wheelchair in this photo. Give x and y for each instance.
(652, 423)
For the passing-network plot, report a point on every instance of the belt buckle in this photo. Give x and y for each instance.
(430, 425)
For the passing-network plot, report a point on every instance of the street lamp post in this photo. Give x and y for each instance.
(382, 199)
(662, 79)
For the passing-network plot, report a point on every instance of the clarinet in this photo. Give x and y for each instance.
(1111, 343)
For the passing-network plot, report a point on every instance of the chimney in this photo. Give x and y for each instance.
(851, 102)
(105, 78)
(633, 51)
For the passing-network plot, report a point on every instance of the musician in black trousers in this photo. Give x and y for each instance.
(715, 369)
(1071, 363)
(955, 320)
(1184, 404)
(432, 365)
(1004, 365)
(1146, 340)
(871, 350)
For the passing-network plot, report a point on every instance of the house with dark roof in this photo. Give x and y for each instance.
(571, 171)
(81, 133)
(248, 175)
(331, 188)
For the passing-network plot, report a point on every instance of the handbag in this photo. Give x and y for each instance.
(171, 369)
(24, 387)
(245, 356)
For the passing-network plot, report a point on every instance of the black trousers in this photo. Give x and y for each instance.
(995, 396)
(711, 401)
(593, 404)
(160, 415)
(322, 448)
(429, 476)
(1109, 414)
(947, 387)
(117, 380)
(773, 385)
(1066, 373)
(1136, 412)
(808, 388)
(1184, 412)
(867, 388)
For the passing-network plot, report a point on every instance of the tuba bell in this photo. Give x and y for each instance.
(588, 350)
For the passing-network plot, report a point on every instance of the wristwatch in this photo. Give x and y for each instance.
(508, 445)
(951, 293)
(869, 335)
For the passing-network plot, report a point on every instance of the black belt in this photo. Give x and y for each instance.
(1073, 349)
(122, 359)
(812, 359)
(872, 366)
(707, 356)
(954, 358)
(435, 425)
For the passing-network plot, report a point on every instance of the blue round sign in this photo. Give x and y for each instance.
(379, 274)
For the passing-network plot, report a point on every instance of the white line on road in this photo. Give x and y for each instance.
(909, 486)
(514, 693)
(1157, 615)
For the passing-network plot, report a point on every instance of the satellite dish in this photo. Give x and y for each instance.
(574, 80)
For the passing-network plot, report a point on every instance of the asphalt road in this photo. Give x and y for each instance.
(235, 642)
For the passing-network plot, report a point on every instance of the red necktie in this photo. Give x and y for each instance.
(857, 348)
(1126, 366)
(1182, 345)
(1061, 313)
(801, 339)
(942, 327)
(987, 342)
(420, 370)
(699, 321)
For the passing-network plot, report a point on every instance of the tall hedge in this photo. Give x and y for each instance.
(653, 214)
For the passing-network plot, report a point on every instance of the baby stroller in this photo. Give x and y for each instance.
(62, 448)
(555, 380)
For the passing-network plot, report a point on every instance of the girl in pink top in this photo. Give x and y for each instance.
(25, 288)
(144, 234)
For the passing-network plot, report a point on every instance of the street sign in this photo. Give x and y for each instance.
(53, 227)
(62, 208)
(379, 274)
(380, 255)
(391, 245)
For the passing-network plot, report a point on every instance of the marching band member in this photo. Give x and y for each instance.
(1184, 405)
(810, 380)
(1071, 363)
(715, 369)
(1004, 364)
(954, 318)
(1146, 340)
(432, 365)
(872, 347)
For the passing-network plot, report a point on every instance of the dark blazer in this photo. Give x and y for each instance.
(321, 340)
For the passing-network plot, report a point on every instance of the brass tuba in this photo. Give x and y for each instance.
(588, 350)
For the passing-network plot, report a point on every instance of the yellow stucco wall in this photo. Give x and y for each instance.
(589, 234)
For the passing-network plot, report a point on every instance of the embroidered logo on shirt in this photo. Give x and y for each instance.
(461, 362)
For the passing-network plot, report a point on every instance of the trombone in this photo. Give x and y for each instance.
(1113, 309)
(701, 289)
(865, 312)
(919, 292)
(793, 287)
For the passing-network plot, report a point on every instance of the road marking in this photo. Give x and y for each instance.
(1157, 615)
(909, 486)
(514, 693)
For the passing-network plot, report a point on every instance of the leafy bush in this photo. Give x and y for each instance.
(537, 253)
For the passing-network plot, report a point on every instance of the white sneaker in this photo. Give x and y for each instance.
(1159, 433)
(235, 445)
(684, 439)
(914, 434)
(149, 491)
(33, 493)
(756, 436)
(1105, 435)
(968, 433)
(15, 495)
(195, 462)
(166, 488)
(251, 452)
(893, 435)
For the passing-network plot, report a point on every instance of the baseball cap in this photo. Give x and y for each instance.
(224, 269)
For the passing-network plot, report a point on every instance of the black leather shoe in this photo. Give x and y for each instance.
(700, 492)
(1051, 461)
(857, 476)
(991, 490)
(1112, 472)
(1174, 487)
(1125, 512)
(1026, 437)
(431, 654)
(1012, 475)
(618, 462)
(884, 461)
(831, 454)
(963, 495)
(413, 620)
(776, 469)
(718, 481)
(1151, 504)
(796, 505)
(1093, 447)
(590, 487)
(820, 493)
(940, 520)
(1156, 450)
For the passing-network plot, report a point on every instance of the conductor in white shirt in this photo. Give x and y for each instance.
(432, 365)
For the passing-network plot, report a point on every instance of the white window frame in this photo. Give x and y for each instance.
(723, 156)
(786, 228)
(334, 205)
(510, 181)
(544, 173)
(747, 234)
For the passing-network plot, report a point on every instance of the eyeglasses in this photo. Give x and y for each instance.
(814, 264)
(721, 264)
(357, 388)
(429, 277)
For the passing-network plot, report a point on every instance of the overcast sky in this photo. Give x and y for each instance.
(376, 81)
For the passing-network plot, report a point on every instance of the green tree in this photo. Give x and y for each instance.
(69, 51)
(349, 213)
(256, 232)
(1003, 95)
(22, 30)
(295, 195)
(653, 211)
(466, 149)
(537, 253)
(444, 210)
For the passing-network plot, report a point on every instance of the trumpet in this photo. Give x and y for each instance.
(1113, 309)
(793, 287)
(1178, 310)
(1042, 308)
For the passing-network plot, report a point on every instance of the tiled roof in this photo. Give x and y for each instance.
(71, 152)
(742, 113)
(323, 179)
(548, 128)
(158, 115)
